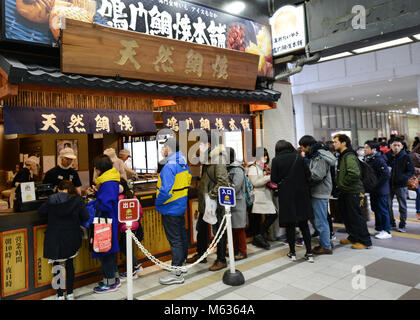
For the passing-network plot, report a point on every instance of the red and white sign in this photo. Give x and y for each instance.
(128, 210)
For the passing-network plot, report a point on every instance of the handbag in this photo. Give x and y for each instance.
(210, 210)
(100, 232)
(413, 183)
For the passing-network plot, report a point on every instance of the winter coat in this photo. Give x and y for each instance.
(173, 184)
(63, 236)
(237, 178)
(107, 200)
(263, 202)
(293, 189)
(320, 167)
(349, 173)
(213, 175)
(378, 163)
(402, 168)
(415, 156)
(117, 163)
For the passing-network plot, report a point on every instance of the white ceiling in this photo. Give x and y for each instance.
(394, 94)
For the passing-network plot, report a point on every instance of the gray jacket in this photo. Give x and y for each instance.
(239, 213)
(321, 182)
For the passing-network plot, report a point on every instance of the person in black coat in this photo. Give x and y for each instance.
(291, 174)
(65, 211)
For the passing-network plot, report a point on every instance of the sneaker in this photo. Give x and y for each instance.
(70, 296)
(321, 250)
(299, 242)
(358, 245)
(102, 288)
(172, 278)
(383, 235)
(374, 232)
(403, 230)
(309, 257)
(260, 242)
(59, 297)
(292, 256)
(138, 267)
(123, 275)
(194, 258)
(217, 265)
(333, 237)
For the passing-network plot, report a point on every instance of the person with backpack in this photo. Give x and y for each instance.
(291, 174)
(65, 211)
(136, 229)
(321, 160)
(239, 214)
(351, 194)
(259, 175)
(402, 169)
(380, 193)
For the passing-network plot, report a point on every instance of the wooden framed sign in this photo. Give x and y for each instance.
(94, 49)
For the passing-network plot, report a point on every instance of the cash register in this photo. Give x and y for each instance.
(31, 195)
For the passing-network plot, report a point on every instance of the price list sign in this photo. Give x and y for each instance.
(14, 252)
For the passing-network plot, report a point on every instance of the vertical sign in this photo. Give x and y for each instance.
(14, 267)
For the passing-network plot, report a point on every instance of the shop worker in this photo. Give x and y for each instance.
(117, 163)
(171, 202)
(64, 170)
(27, 172)
(124, 155)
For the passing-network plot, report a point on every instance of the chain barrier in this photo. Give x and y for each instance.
(168, 267)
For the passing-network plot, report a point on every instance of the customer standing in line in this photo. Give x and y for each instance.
(291, 174)
(106, 204)
(65, 210)
(259, 175)
(415, 156)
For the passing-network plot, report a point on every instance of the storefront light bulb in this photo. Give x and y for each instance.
(235, 7)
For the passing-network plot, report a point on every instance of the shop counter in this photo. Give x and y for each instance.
(25, 274)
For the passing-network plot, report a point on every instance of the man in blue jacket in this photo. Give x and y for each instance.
(171, 201)
(380, 193)
(402, 170)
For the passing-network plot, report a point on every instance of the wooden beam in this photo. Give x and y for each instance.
(7, 89)
(261, 107)
(157, 103)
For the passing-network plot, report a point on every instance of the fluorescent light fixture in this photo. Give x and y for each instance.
(336, 56)
(384, 45)
(417, 36)
(235, 7)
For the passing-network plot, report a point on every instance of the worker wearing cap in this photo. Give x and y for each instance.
(124, 155)
(64, 170)
(27, 172)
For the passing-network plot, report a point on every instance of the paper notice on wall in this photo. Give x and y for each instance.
(28, 191)
(48, 162)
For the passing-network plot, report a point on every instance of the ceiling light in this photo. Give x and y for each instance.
(417, 36)
(378, 95)
(384, 45)
(336, 56)
(235, 7)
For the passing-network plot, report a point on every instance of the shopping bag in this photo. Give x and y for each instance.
(210, 210)
(413, 183)
(102, 234)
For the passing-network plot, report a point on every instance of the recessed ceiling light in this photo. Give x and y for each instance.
(378, 95)
(365, 100)
(389, 80)
(384, 45)
(336, 56)
(417, 36)
(235, 7)
(351, 98)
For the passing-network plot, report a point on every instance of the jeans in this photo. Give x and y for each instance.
(401, 194)
(177, 236)
(418, 200)
(379, 205)
(321, 221)
(350, 206)
(109, 268)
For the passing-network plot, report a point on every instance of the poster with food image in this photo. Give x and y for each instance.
(39, 21)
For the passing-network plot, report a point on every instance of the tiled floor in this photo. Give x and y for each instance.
(384, 272)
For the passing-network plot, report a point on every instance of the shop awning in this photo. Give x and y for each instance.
(28, 70)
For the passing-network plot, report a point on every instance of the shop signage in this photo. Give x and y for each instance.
(37, 22)
(128, 210)
(34, 120)
(98, 50)
(14, 269)
(288, 28)
(207, 121)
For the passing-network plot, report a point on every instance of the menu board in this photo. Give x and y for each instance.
(39, 22)
(14, 255)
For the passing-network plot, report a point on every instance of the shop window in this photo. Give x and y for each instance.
(145, 151)
(332, 117)
(316, 116)
(324, 117)
(340, 117)
(233, 139)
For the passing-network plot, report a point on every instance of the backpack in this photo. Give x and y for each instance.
(369, 178)
(249, 188)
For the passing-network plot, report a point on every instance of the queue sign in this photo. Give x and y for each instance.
(128, 210)
(227, 197)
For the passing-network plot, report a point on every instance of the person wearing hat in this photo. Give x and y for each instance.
(27, 172)
(64, 170)
(124, 155)
(171, 202)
